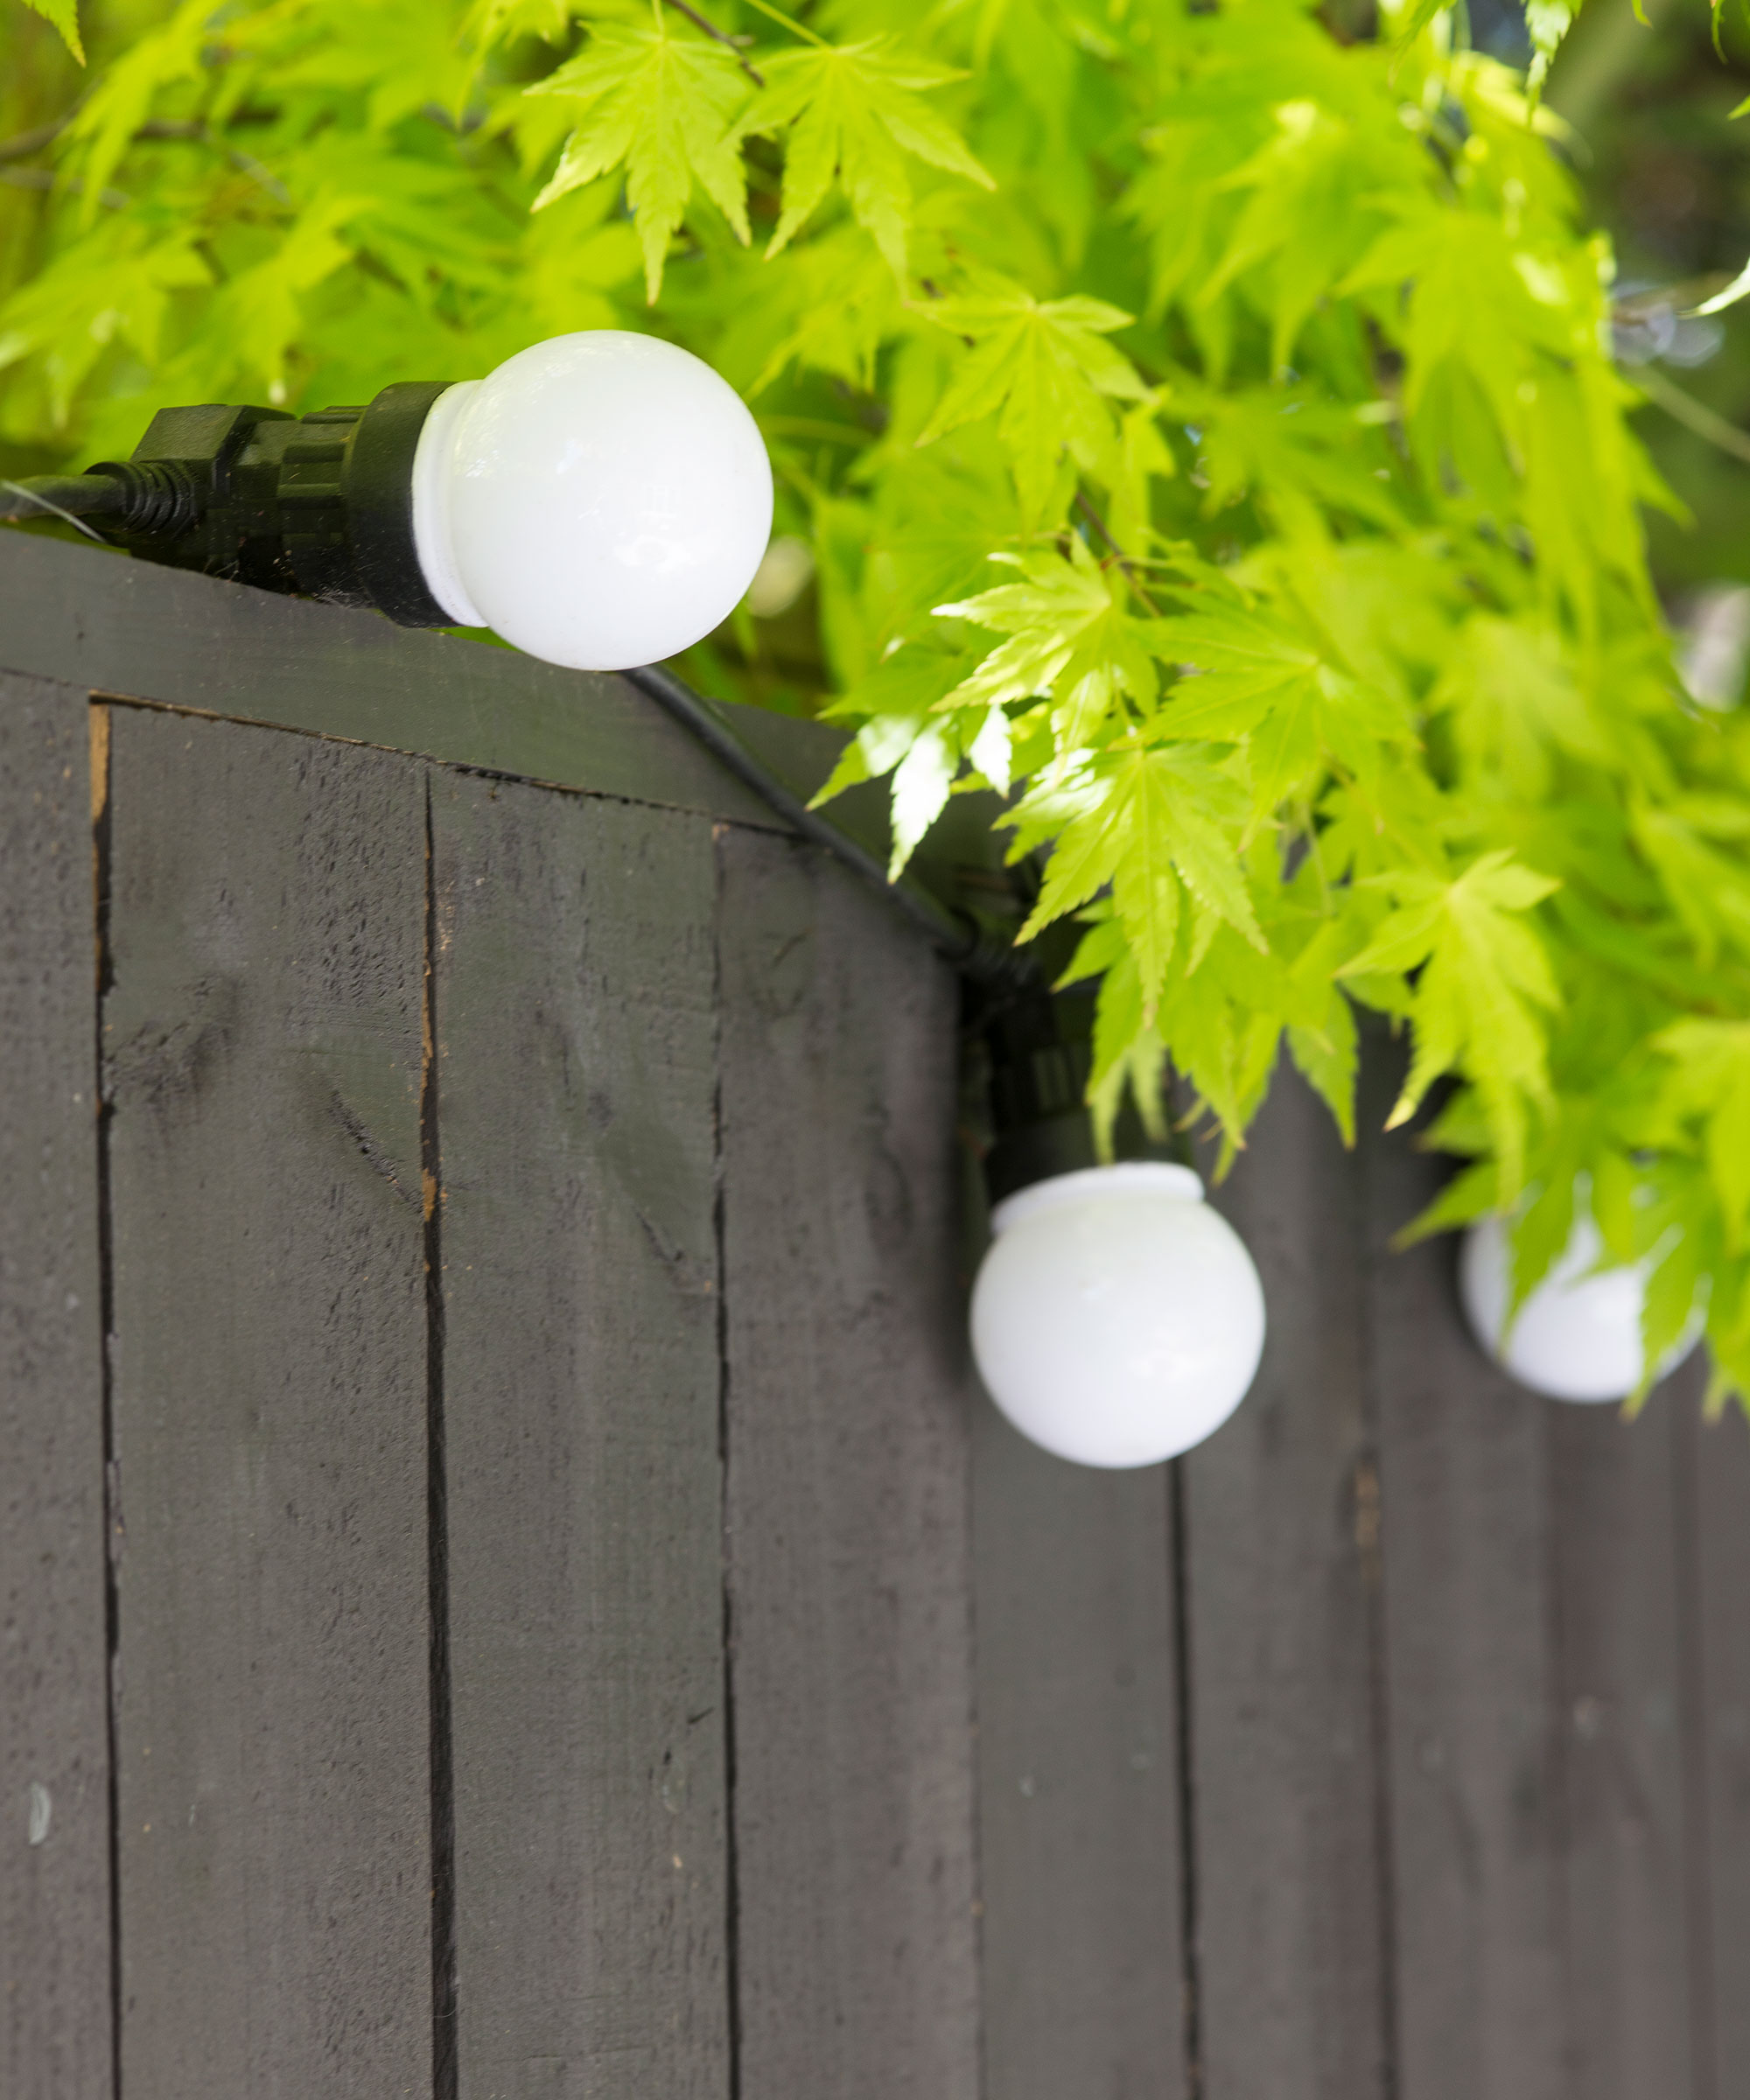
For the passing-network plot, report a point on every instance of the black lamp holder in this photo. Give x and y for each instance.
(1039, 1049)
(320, 506)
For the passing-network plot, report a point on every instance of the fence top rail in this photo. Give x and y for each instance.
(169, 638)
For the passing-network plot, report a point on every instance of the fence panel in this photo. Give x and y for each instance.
(575, 1113)
(1714, 1513)
(55, 2013)
(1471, 1667)
(575, 1627)
(264, 968)
(1291, 1880)
(1079, 1798)
(850, 1633)
(1630, 1861)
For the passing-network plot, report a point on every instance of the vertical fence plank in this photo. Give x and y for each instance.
(263, 1072)
(55, 2022)
(1628, 1854)
(1475, 1769)
(1716, 1459)
(576, 1039)
(847, 1505)
(1281, 1508)
(1078, 1764)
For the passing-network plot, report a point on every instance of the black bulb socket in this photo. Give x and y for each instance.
(318, 505)
(1040, 1052)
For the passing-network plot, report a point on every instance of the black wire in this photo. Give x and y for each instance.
(956, 935)
(61, 495)
(985, 958)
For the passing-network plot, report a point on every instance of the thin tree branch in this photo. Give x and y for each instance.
(27, 142)
(45, 179)
(190, 127)
(1118, 554)
(718, 36)
(1693, 414)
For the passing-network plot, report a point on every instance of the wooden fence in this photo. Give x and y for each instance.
(508, 1589)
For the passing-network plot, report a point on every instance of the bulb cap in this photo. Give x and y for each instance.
(1126, 1178)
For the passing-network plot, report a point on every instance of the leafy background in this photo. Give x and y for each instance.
(1219, 430)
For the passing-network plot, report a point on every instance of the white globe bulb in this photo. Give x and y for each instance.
(1116, 1319)
(600, 501)
(1578, 1336)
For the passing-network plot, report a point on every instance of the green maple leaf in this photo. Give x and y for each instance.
(64, 16)
(1276, 444)
(1416, 19)
(1483, 974)
(1310, 192)
(1547, 22)
(1157, 820)
(1708, 890)
(1514, 702)
(1711, 1079)
(1043, 367)
(1246, 662)
(1069, 636)
(665, 106)
(1262, 680)
(899, 736)
(490, 23)
(855, 111)
(118, 285)
(122, 100)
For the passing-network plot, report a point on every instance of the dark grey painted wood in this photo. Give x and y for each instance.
(117, 626)
(55, 2025)
(1714, 1508)
(847, 1493)
(1614, 1497)
(576, 1112)
(1282, 1511)
(1475, 1767)
(262, 1064)
(1078, 1767)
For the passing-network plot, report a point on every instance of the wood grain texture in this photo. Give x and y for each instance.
(850, 1559)
(1281, 1506)
(576, 1036)
(263, 1067)
(165, 635)
(1474, 1772)
(55, 2025)
(1630, 1851)
(1714, 1510)
(1078, 1766)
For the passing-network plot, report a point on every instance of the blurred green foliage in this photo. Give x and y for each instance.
(1668, 170)
(1204, 425)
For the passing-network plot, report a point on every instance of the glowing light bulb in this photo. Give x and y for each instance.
(1116, 1319)
(600, 501)
(1578, 1336)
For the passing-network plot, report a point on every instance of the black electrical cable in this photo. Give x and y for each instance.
(162, 500)
(62, 496)
(956, 935)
